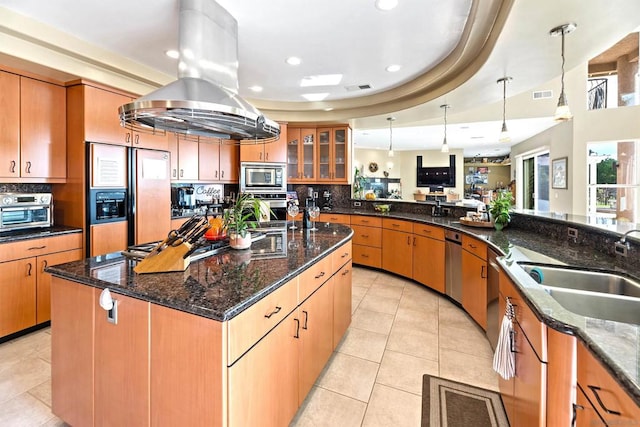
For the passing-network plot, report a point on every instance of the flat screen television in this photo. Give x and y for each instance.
(436, 176)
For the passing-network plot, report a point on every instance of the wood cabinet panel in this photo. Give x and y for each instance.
(153, 212)
(35, 247)
(17, 295)
(332, 154)
(121, 388)
(367, 255)
(586, 414)
(369, 221)
(275, 151)
(248, 327)
(108, 237)
(368, 236)
(101, 118)
(72, 309)
(43, 129)
(229, 163)
(341, 256)
(530, 383)
(474, 287)
(208, 161)
(428, 231)
(474, 246)
(341, 302)
(9, 125)
(187, 159)
(397, 252)
(428, 262)
(561, 377)
(185, 349)
(397, 225)
(312, 278)
(335, 218)
(43, 281)
(252, 152)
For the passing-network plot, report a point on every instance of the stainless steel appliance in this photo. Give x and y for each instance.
(453, 265)
(21, 210)
(494, 318)
(107, 205)
(277, 202)
(263, 178)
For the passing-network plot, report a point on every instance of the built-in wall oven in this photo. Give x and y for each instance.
(263, 178)
(20, 210)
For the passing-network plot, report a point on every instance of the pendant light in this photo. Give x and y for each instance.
(562, 111)
(445, 146)
(504, 133)
(391, 119)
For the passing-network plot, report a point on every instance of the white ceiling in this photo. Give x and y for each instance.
(357, 40)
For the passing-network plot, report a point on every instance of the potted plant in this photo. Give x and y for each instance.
(239, 218)
(499, 209)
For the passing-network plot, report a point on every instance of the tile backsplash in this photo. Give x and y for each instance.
(25, 188)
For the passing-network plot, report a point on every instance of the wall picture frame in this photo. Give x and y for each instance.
(559, 168)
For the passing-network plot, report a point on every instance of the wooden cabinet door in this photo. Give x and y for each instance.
(101, 119)
(316, 336)
(43, 281)
(294, 161)
(252, 152)
(307, 157)
(109, 237)
(187, 159)
(341, 302)
(152, 140)
(276, 151)
(9, 125)
(258, 394)
(121, 350)
(43, 131)
(153, 196)
(530, 383)
(604, 392)
(173, 153)
(474, 287)
(585, 413)
(507, 391)
(428, 262)
(325, 141)
(397, 252)
(17, 295)
(208, 161)
(340, 154)
(229, 163)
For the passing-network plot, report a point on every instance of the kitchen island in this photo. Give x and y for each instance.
(238, 338)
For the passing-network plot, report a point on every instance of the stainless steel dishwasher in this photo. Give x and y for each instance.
(453, 265)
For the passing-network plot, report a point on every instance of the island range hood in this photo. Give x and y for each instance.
(204, 101)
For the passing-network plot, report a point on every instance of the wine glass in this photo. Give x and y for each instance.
(292, 210)
(314, 212)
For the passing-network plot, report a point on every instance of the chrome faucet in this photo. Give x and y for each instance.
(622, 246)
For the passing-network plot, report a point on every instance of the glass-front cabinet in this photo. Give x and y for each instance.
(301, 148)
(333, 150)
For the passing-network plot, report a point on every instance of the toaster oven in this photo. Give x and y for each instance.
(25, 210)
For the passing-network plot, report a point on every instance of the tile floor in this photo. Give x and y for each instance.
(399, 332)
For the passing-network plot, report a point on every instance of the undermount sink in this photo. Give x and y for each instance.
(599, 295)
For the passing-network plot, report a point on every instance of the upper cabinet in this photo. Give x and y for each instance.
(219, 161)
(184, 158)
(318, 155)
(275, 151)
(96, 109)
(32, 129)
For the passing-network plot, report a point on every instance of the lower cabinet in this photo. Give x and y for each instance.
(108, 237)
(397, 252)
(341, 302)
(474, 284)
(367, 240)
(17, 295)
(428, 256)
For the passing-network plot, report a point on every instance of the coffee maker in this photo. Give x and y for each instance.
(182, 198)
(327, 203)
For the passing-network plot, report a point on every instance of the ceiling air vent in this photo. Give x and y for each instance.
(357, 87)
(542, 94)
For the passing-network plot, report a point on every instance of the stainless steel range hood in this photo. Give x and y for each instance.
(204, 101)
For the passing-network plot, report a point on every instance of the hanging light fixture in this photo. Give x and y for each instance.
(504, 133)
(391, 119)
(445, 146)
(562, 111)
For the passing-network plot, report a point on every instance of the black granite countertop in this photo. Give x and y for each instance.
(36, 233)
(217, 287)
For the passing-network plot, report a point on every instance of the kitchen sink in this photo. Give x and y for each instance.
(600, 295)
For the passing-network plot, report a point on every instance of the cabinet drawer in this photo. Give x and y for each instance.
(335, 218)
(35, 247)
(474, 246)
(248, 327)
(369, 236)
(397, 225)
(369, 221)
(341, 256)
(312, 278)
(428, 231)
(366, 255)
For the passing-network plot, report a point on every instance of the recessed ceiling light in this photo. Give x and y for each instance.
(386, 4)
(293, 60)
(393, 68)
(256, 88)
(321, 80)
(314, 96)
(171, 53)
(328, 109)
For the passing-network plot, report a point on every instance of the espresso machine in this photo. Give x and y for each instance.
(327, 203)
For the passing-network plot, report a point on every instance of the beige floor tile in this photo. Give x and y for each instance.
(350, 376)
(35, 344)
(372, 321)
(393, 408)
(468, 369)
(385, 290)
(55, 422)
(23, 376)
(391, 280)
(405, 372)
(379, 304)
(24, 410)
(420, 320)
(419, 297)
(363, 344)
(470, 340)
(453, 315)
(414, 342)
(324, 408)
(357, 293)
(42, 392)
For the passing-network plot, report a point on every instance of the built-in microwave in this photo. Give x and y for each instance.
(263, 177)
(20, 211)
